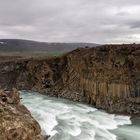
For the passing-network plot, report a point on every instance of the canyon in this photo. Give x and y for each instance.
(107, 77)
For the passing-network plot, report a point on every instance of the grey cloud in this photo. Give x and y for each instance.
(70, 20)
(134, 24)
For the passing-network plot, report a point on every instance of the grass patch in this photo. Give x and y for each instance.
(32, 54)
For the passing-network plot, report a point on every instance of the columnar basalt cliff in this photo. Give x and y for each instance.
(107, 77)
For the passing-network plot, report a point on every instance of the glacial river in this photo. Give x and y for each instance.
(67, 120)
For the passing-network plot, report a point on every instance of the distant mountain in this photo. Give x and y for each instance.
(17, 45)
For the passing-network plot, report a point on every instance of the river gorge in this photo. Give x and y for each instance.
(67, 120)
(105, 78)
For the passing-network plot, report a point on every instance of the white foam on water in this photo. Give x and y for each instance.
(66, 120)
(121, 120)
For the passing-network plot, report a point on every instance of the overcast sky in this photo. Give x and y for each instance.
(99, 21)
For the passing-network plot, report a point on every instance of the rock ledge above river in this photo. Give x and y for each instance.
(16, 122)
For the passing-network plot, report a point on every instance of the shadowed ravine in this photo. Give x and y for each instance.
(63, 119)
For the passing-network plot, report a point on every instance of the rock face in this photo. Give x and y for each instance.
(16, 122)
(107, 77)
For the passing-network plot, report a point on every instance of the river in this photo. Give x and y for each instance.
(67, 120)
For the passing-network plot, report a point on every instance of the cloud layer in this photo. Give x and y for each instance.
(100, 21)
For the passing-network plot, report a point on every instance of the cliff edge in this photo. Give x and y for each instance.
(16, 122)
(107, 76)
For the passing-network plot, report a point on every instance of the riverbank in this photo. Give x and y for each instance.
(16, 122)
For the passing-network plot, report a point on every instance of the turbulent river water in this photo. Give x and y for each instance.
(67, 120)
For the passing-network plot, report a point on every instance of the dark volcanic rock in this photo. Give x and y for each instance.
(107, 77)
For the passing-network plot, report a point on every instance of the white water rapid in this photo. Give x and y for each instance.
(66, 120)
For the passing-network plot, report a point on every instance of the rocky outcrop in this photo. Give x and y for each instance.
(16, 122)
(107, 77)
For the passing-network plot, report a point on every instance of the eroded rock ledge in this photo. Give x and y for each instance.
(16, 122)
(107, 77)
